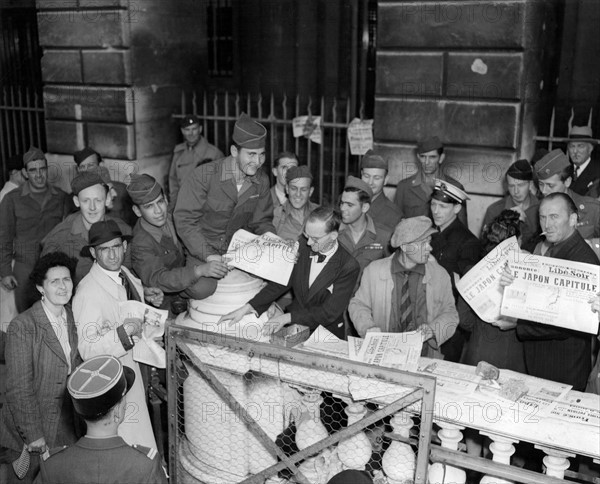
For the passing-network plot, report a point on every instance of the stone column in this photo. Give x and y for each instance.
(112, 73)
(468, 72)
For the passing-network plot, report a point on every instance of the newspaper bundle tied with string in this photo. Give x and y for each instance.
(147, 347)
(267, 256)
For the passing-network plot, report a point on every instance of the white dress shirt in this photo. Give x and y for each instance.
(317, 267)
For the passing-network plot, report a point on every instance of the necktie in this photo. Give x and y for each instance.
(405, 305)
(131, 296)
(320, 257)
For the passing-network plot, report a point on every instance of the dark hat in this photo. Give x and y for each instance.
(101, 232)
(520, 170)
(446, 192)
(353, 182)
(351, 476)
(188, 121)
(143, 189)
(98, 384)
(87, 179)
(33, 154)
(294, 172)
(84, 154)
(551, 164)
(248, 133)
(582, 133)
(411, 230)
(373, 160)
(429, 144)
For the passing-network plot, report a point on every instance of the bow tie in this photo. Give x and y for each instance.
(320, 257)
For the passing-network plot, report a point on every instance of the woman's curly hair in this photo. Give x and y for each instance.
(47, 262)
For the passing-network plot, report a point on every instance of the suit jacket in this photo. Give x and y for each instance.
(413, 196)
(371, 306)
(327, 298)
(209, 209)
(587, 183)
(555, 353)
(36, 385)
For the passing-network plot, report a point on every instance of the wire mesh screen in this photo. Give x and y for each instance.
(253, 413)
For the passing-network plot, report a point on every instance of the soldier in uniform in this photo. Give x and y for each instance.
(225, 195)
(414, 193)
(520, 198)
(374, 172)
(97, 388)
(193, 152)
(555, 174)
(157, 253)
(282, 163)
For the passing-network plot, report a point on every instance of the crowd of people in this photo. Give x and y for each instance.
(365, 263)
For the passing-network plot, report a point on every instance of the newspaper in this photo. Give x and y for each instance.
(309, 127)
(146, 349)
(400, 351)
(267, 256)
(480, 287)
(553, 291)
(450, 377)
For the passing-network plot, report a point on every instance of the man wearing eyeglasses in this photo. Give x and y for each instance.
(27, 214)
(225, 195)
(100, 326)
(322, 281)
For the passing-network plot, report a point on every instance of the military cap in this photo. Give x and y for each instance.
(411, 230)
(353, 182)
(84, 154)
(551, 164)
(520, 170)
(373, 160)
(189, 121)
(582, 133)
(429, 144)
(248, 133)
(98, 384)
(102, 232)
(87, 179)
(446, 192)
(294, 172)
(33, 154)
(143, 189)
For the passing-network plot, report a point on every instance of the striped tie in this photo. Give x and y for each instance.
(405, 305)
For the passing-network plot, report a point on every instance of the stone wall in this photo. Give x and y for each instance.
(112, 73)
(468, 72)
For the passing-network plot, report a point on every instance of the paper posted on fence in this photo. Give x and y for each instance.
(146, 349)
(480, 287)
(553, 291)
(267, 256)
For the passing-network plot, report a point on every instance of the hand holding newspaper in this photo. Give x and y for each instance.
(146, 349)
(267, 256)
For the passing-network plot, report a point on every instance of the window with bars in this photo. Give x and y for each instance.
(220, 38)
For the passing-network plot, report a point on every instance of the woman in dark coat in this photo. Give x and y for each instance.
(495, 343)
(41, 352)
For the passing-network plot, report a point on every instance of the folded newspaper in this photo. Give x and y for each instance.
(146, 349)
(267, 256)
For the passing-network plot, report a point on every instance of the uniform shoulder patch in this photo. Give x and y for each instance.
(147, 451)
(53, 452)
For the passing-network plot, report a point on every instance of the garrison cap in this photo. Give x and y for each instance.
(98, 384)
(143, 189)
(373, 160)
(551, 164)
(411, 230)
(33, 154)
(353, 182)
(446, 192)
(520, 170)
(84, 154)
(429, 144)
(294, 172)
(248, 133)
(87, 179)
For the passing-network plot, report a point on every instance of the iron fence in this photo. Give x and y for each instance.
(331, 161)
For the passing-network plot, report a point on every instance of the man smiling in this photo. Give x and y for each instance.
(223, 196)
